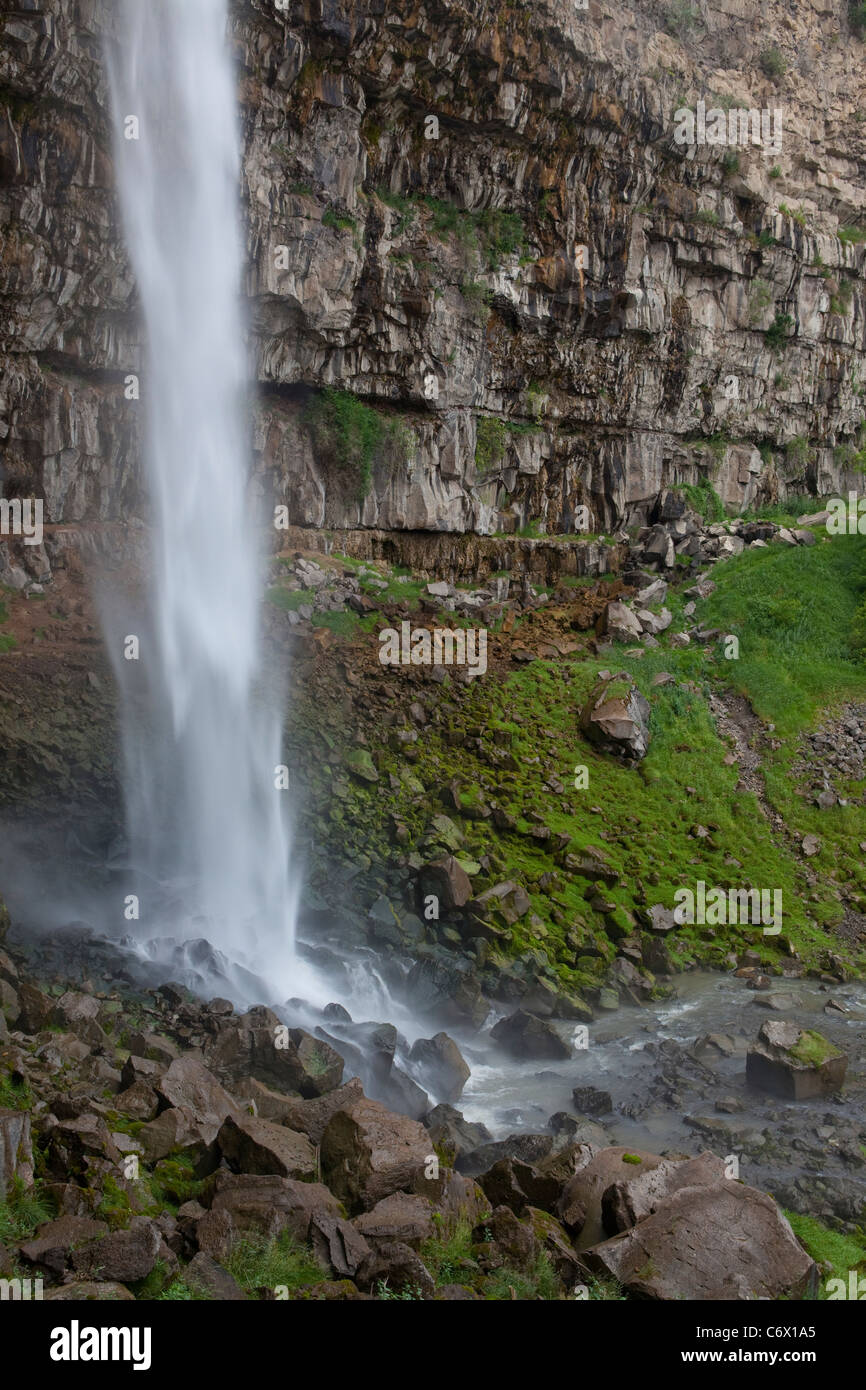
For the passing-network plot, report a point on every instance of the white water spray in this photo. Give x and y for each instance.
(202, 740)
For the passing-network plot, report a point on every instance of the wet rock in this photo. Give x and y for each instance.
(367, 1152)
(518, 1185)
(441, 1066)
(447, 989)
(78, 1014)
(634, 1197)
(523, 1035)
(501, 1240)
(452, 1133)
(794, 1062)
(529, 1148)
(256, 1146)
(588, 1100)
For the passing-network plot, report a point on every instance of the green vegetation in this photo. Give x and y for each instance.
(772, 62)
(813, 1050)
(682, 18)
(24, 1209)
(491, 438)
(352, 436)
(852, 236)
(14, 1095)
(340, 221)
(760, 299)
(776, 172)
(796, 214)
(857, 17)
(776, 335)
(540, 1282)
(256, 1263)
(703, 499)
(836, 1252)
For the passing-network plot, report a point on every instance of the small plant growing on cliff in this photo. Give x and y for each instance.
(351, 436)
(778, 331)
(490, 441)
(851, 236)
(857, 17)
(772, 63)
(681, 18)
(340, 221)
(760, 298)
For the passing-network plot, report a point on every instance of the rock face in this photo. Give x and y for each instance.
(616, 718)
(475, 308)
(794, 1062)
(721, 1241)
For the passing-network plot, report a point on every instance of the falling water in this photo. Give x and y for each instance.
(207, 830)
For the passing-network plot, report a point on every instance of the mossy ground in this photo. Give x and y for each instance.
(512, 740)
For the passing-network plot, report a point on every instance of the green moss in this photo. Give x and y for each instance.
(352, 437)
(812, 1050)
(837, 1252)
(537, 1283)
(631, 1158)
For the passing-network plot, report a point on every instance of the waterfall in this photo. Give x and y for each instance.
(207, 829)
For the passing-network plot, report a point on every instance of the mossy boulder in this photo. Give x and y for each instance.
(793, 1062)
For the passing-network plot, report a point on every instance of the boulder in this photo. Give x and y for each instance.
(588, 1100)
(616, 718)
(295, 1061)
(397, 1268)
(16, 1150)
(268, 1205)
(441, 1066)
(367, 1152)
(50, 1249)
(633, 1198)
(338, 1245)
(446, 880)
(205, 1274)
(449, 989)
(188, 1086)
(580, 1205)
(529, 1148)
(619, 623)
(524, 1036)
(90, 1292)
(256, 1146)
(794, 1062)
(518, 1185)
(122, 1256)
(720, 1242)
(79, 1014)
(403, 1217)
(501, 1240)
(452, 1133)
(305, 1116)
(35, 1008)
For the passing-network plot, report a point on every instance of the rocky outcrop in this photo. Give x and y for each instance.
(794, 1062)
(485, 230)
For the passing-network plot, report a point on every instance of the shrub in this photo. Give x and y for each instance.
(352, 436)
(490, 441)
(772, 63)
(778, 331)
(681, 18)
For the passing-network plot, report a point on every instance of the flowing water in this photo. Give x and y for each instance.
(208, 834)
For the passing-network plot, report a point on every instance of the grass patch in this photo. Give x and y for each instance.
(256, 1263)
(352, 437)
